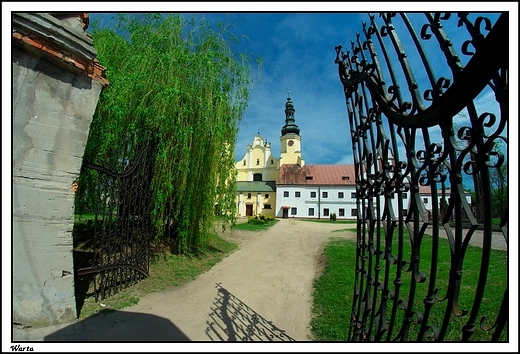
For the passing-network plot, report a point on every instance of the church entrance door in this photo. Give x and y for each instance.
(249, 209)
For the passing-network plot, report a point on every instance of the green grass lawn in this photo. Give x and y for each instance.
(328, 221)
(254, 227)
(334, 289)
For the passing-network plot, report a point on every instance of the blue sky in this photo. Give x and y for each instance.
(296, 42)
(297, 50)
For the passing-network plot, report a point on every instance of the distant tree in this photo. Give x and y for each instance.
(499, 189)
(177, 86)
(497, 173)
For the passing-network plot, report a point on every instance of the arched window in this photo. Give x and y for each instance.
(244, 162)
(258, 161)
(248, 195)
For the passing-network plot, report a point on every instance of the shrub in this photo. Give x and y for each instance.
(255, 221)
(267, 218)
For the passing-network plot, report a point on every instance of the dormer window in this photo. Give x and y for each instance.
(345, 178)
(308, 178)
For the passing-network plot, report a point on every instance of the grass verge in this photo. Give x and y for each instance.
(333, 291)
(254, 227)
(328, 221)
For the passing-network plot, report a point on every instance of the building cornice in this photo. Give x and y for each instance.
(60, 42)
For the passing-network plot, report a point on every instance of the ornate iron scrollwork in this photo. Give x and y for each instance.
(429, 142)
(121, 224)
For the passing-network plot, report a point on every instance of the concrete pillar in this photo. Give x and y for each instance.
(56, 86)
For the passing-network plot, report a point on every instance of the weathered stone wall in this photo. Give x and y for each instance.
(52, 112)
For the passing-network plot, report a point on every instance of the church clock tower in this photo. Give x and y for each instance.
(290, 140)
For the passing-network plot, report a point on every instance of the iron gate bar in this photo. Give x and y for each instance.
(122, 226)
(381, 173)
(470, 81)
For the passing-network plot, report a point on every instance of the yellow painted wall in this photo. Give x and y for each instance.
(291, 154)
(258, 159)
(258, 208)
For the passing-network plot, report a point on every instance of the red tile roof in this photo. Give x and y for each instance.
(332, 175)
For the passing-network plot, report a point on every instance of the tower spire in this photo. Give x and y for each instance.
(290, 125)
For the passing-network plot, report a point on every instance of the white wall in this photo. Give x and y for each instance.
(319, 203)
(333, 202)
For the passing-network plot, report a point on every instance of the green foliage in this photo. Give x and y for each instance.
(260, 219)
(332, 293)
(334, 289)
(257, 225)
(178, 86)
(256, 222)
(269, 218)
(329, 221)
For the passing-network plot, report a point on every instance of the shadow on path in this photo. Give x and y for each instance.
(120, 326)
(232, 320)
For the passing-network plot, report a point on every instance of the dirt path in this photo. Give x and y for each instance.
(261, 292)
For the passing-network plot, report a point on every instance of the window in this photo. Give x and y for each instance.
(244, 162)
(345, 178)
(340, 194)
(325, 194)
(405, 195)
(286, 193)
(313, 194)
(257, 177)
(425, 200)
(405, 212)
(272, 162)
(341, 212)
(293, 211)
(258, 161)
(353, 212)
(308, 178)
(267, 206)
(297, 194)
(353, 195)
(267, 196)
(248, 195)
(311, 211)
(325, 212)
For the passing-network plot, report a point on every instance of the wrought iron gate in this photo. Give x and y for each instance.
(417, 151)
(116, 225)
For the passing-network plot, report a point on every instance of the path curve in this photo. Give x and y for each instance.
(263, 291)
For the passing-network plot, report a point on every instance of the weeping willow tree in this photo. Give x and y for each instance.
(177, 87)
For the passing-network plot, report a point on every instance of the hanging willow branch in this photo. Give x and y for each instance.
(177, 86)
